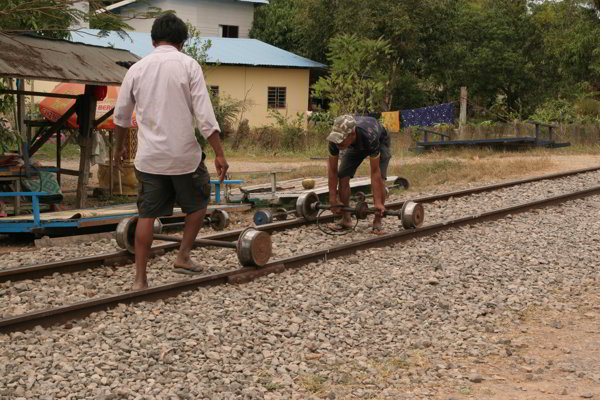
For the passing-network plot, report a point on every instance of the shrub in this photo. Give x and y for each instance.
(293, 136)
(555, 110)
(588, 110)
(226, 111)
(320, 122)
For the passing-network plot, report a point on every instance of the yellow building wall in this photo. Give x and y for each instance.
(252, 83)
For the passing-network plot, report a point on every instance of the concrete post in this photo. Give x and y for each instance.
(462, 121)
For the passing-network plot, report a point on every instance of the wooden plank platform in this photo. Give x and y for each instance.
(288, 191)
(102, 219)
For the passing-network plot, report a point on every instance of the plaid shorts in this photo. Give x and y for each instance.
(157, 194)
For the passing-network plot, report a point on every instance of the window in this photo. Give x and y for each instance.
(276, 97)
(214, 90)
(230, 31)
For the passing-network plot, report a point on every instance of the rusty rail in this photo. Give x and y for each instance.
(62, 314)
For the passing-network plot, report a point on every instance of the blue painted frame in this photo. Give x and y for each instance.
(217, 184)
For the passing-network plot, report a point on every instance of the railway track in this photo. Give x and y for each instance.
(63, 313)
(123, 257)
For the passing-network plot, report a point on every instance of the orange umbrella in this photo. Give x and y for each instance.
(52, 108)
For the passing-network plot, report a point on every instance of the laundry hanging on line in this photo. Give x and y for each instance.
(428, 116)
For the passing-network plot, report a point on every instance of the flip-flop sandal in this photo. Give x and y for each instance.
(378, 230)
(189, 271)
(337, 227)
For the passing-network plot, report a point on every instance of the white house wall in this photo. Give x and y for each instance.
(206, 15)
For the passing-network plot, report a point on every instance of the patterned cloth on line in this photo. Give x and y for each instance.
(428, 116)
(45, 182)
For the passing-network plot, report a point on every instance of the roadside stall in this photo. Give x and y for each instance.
(95, 68)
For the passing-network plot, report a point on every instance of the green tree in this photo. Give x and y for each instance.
(571, 35)
(358, 74)
(277, 24)
(56, 18)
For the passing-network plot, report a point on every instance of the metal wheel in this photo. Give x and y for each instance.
(402, 182)
(303, 206)
(254, 247)
(412, 215)
(219, 220)
(262, 217)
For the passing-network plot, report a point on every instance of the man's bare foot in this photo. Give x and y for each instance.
(338, 226)
(187, 268)
(139, 285)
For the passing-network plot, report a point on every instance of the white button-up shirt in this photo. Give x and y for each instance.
(167, 90)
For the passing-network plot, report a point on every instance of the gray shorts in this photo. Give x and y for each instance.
(352, 159)
(157, 194)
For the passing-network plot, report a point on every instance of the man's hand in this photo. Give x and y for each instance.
(221, 166)
(118, 157)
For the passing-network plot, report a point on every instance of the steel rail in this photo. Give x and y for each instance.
(64, 313)
(123, 257)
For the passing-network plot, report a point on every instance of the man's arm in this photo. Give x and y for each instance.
(332, 181)
(377, 184)
(119, 150)
(220, 163)
(122, 117)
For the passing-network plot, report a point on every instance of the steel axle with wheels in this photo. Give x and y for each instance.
(253, 247)
(308, 207)
(218, 220)
(411, 215)
(266, 216)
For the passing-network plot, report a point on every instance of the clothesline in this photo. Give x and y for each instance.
(428, 116)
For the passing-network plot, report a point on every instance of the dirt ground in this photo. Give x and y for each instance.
(550, 355)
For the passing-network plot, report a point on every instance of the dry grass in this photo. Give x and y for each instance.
(435, 171)
(312, 383)
(440, 172)
(428, 173)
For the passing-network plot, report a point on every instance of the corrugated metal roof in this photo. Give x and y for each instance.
(120, 4)
(227, 51)
(30, 57)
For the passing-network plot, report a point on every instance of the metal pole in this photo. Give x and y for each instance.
(110, 164)
(58, 155)
(206, 242)
(21, 107)
(274, 182)
(85, 130)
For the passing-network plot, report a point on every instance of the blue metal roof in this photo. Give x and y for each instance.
(123, 3)
(227, 51)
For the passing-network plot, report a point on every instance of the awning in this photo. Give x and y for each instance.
(28, 57)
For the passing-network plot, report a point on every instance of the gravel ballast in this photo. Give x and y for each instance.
(384, 323)
(60, 289)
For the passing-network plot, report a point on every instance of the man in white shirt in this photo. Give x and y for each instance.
(168, 92)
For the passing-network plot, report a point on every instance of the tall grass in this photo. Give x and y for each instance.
(270, 141)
